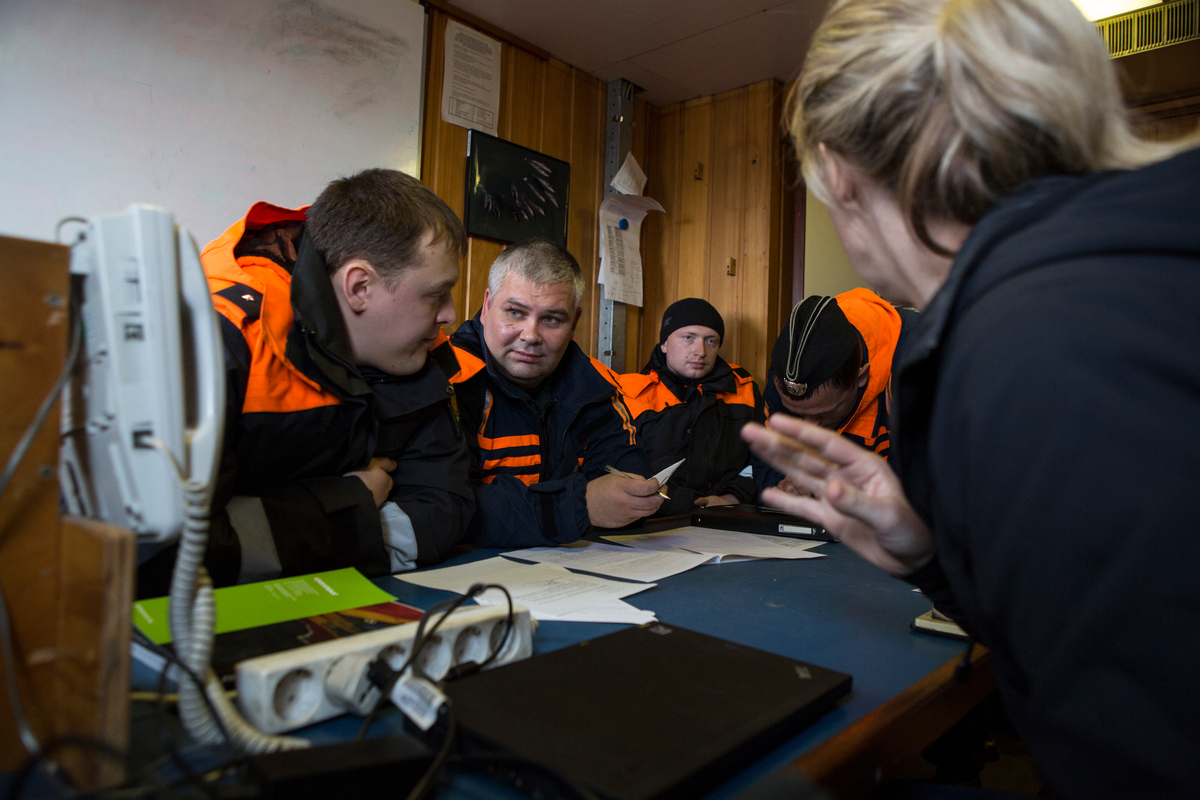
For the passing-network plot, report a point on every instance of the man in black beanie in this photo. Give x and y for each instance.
(831, 366)
(687, 402)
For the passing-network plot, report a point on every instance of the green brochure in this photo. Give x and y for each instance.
(267, 602)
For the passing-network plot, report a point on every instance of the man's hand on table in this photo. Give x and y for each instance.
(855, 494)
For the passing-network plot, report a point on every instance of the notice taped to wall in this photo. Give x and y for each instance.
(471, 86)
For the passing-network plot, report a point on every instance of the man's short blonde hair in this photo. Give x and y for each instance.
(952, 104)
(539, 261)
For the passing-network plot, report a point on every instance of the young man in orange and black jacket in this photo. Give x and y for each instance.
(341, 447)
(689, 403)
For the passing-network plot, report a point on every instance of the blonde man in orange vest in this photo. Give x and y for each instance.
(831, 367)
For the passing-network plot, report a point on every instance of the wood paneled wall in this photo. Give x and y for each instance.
(717, 164)
(551, 107)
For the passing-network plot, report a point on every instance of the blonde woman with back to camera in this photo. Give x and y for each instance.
(977, 161)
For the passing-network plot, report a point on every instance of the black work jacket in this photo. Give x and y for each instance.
(698, 420)
(1041, 411)
(536, 453)
(299, 415)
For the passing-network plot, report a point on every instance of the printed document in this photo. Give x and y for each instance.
(618, 562)
(620, 246)
(545, 589)
(722, 545)
(471, 86)
(612, 611)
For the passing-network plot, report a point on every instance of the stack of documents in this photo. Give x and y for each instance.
(549, 591)
(564, 583)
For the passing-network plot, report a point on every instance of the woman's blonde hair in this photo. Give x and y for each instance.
(952, 104)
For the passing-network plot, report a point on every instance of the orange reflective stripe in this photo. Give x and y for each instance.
(626, 419)
(509, 441)
(528, 480)
(513, 461)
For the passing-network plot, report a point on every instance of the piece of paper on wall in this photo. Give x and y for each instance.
(471, 87)
(620, 246)
(629, 179)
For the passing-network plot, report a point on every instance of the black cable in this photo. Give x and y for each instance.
(62, 743)
(64, 221)
(422, 638)
(419, 641)
(439, 761)
(24, 731)
(167, 740)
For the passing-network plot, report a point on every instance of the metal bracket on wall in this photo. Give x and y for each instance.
(618, 141)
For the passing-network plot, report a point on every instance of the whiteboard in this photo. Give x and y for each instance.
(200, 107)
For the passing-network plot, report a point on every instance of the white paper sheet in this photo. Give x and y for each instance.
(542, 588)
(629, 179)
(618, 562)
(665, 475)
(612, 611)
(471, 87)
(620, 250)
(722, 545)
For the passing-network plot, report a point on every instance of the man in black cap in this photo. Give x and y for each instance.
(688, 403)
(831, 366)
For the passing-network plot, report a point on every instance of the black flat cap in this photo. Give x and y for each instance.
(817, 340)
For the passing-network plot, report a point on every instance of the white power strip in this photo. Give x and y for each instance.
(287, 690)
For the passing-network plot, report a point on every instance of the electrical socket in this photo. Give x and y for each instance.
(288, 690)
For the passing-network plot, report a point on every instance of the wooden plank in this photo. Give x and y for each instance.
(522, 98)
(633, 314)
(33, 337)
(859, 758)
(480, 255)
(760, 229)
(444, 148)
(557, 91)
(587, 177)
(93, 644)
(664, 183)
(694, 176)
(730, 168)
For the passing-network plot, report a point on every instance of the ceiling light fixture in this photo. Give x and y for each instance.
(1102, 9)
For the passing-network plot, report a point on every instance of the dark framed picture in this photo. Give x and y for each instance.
(514, 193)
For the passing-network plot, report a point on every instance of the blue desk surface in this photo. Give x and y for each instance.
(838, 612)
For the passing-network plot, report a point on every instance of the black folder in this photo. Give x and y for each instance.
(760, 519)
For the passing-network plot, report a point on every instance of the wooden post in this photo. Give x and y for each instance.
(68, 587)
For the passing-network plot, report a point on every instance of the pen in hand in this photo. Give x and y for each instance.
(610, 469)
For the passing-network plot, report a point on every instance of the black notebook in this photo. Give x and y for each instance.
(645, 713)
(760, 519)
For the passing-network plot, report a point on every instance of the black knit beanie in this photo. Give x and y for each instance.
(690, 311)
